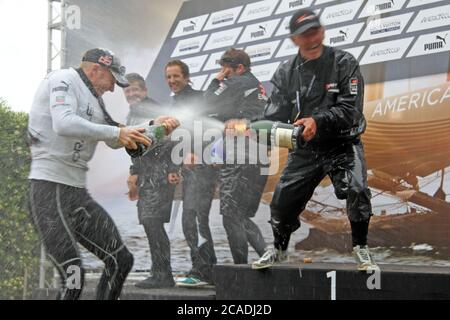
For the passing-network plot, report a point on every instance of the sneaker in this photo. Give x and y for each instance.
(270, 257)
(156, 283)
(364, 259)
(191, 282)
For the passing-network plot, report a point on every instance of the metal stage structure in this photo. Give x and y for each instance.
(56, 58)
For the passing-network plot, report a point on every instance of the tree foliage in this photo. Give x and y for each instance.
(19, 244)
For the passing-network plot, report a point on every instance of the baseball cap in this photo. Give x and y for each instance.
(108, 59)
(303, 20)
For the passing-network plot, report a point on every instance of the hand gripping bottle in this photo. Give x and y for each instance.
(157, 134)
(280, 134)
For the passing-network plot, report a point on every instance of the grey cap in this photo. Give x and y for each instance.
(108, 59)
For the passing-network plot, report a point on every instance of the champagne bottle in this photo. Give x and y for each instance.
(156, 133)
(280, 134)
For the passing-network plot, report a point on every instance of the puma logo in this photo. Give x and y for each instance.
(343, 33)
(442, 38)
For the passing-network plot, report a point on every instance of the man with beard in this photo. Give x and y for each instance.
(152, 182)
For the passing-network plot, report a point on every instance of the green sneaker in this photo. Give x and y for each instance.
(191, 282)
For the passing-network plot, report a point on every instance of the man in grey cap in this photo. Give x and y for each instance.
(322, 89)
(67, 120)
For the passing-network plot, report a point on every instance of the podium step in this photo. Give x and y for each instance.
(325, 281)
(130, 292)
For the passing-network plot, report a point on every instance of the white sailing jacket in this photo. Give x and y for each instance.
(66, 123)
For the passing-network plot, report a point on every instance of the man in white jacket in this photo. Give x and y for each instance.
(67, 120)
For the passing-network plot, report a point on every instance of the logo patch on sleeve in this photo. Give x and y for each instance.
(221, 89)
(62, 88)
(60, 99)
(332, 87)
(354, 83)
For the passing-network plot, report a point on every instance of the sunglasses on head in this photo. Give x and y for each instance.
(230, 61)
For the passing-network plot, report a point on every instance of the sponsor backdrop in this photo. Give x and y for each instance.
(391, 39)
(404, 51)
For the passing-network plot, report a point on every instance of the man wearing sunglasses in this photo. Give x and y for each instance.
(236, 95)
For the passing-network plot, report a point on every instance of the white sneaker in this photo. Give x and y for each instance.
(270, 257)
(364, 259)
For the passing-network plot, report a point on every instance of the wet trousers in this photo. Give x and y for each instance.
(241, 188)
(159, 244)
(199, 185)
(305, 169)
(65, 216)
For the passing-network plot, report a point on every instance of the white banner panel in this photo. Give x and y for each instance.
(283, 29)
(324, 1)
(356, 51)
(340, 13)
(258, 10)
(197, 82)
(343, 35)
(416, 3)
(259, 31)
(213, 61)
(382, 28)
(431, 18)
(431, 43)
(223, 18)
(264, 72)
(223, 39)
(288, 48)
(190, 26)
(195, 64)
(189, 46)
(292, 5)
(375, 7)
(386, 51)
(262, 51)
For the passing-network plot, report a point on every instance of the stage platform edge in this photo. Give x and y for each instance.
(324, 281)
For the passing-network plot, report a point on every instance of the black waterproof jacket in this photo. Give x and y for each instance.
(155, 192)
(238, 97)
(241, 185)
(189, 97)
(329, 89)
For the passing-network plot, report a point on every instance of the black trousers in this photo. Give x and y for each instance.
(198, 191)
(65, 216)
(154, 208)
(241, 188)
(304, 170)
(159, 244)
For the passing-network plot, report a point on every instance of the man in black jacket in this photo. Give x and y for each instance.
(199, 179)
(321, 89)
(236, 94)
(152, 182)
